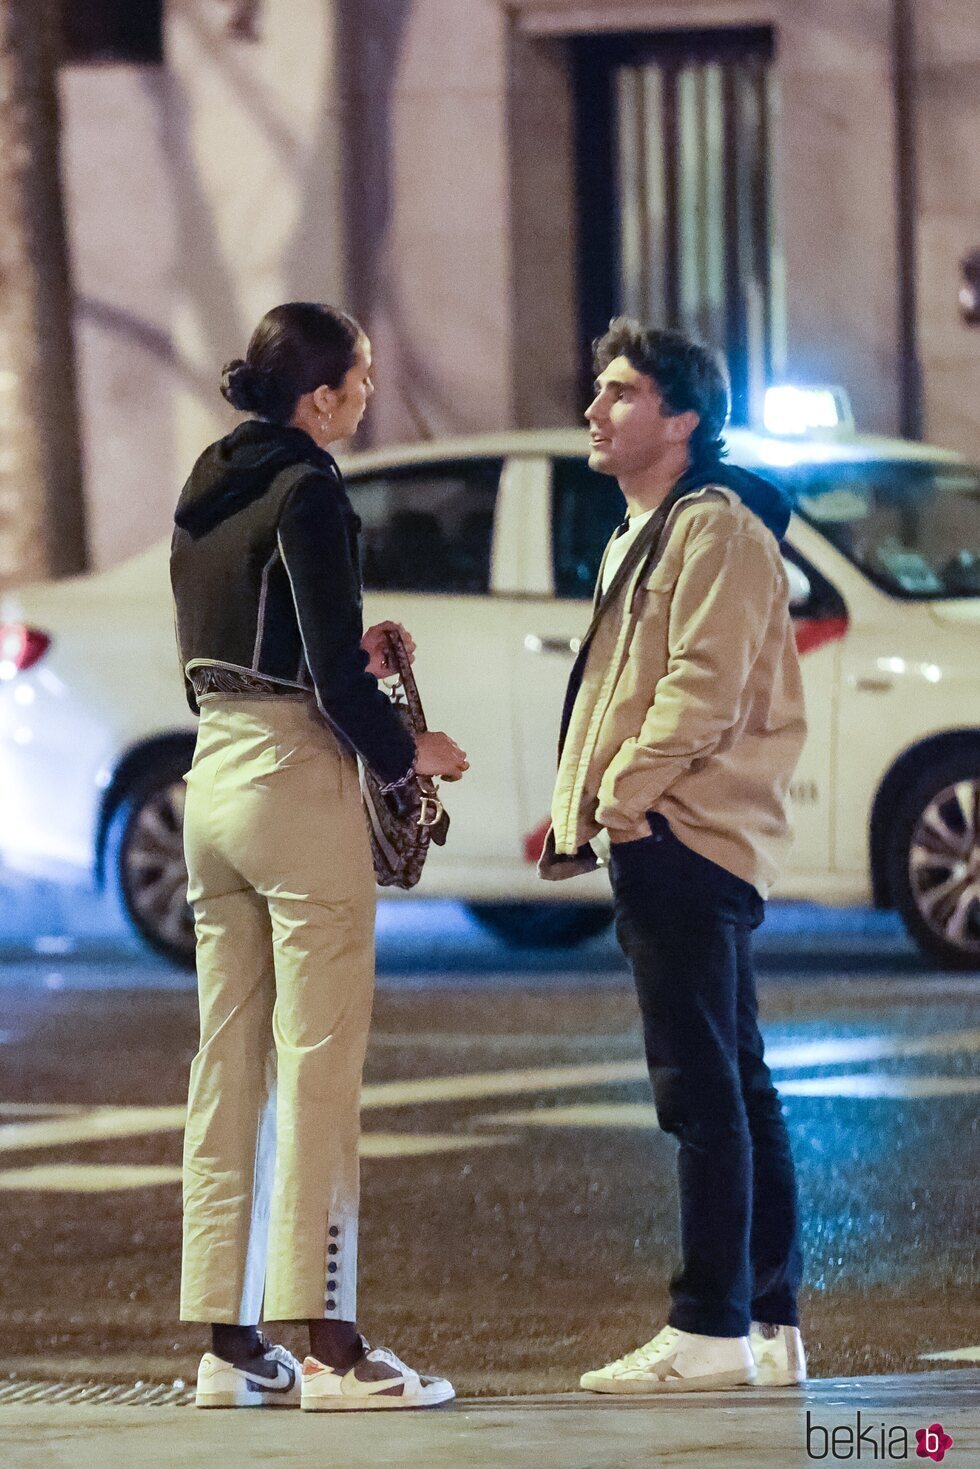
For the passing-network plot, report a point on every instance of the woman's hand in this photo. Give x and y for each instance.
(437, 754)
(374, 643)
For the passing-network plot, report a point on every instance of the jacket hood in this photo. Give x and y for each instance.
(239, 468)
(772, 505)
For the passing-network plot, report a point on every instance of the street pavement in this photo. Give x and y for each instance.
(518, 1200)
(859, 1418)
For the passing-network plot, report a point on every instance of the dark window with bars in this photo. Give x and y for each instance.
(674, 137)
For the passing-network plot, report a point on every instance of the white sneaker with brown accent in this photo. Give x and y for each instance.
(379, 1379)
(269, 1380)
(778, 1353)
(678, 1361)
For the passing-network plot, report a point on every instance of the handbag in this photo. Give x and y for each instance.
(402, 823)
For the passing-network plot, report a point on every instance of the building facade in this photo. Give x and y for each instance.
(486, 183)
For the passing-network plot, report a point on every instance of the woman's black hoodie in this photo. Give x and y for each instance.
(265, 570)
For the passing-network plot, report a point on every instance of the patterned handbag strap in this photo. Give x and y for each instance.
(398, 653)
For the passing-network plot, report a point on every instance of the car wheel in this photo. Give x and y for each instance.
(543, 925)
(145, 854)
(934, 856)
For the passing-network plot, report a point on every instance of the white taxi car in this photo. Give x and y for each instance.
(487, 549)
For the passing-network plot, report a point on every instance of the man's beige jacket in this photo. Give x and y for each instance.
(691, 702)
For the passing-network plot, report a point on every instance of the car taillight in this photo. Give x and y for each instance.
(20, 648)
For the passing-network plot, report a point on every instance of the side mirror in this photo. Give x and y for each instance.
(800, 590)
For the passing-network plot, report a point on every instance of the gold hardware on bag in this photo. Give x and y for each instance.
(403, 824)
(424, 818)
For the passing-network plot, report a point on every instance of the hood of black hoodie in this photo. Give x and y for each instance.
(769, 502)
(239, 468)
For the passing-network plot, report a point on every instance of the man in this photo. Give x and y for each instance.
(682, 727)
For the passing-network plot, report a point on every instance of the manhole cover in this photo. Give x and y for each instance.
(119, 1394)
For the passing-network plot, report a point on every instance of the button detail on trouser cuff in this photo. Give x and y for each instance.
(340, 1275)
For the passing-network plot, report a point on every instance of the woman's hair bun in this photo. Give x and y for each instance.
(295, 349)
(247, 388)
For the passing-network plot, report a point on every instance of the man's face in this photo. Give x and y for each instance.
(628, 430)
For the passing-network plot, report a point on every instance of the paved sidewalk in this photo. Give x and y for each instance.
(573, 1431)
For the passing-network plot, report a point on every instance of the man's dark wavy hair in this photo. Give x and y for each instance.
(689, 377)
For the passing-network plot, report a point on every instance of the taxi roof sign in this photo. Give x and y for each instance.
(790, 411)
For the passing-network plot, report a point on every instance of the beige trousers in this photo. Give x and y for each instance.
(282, 887)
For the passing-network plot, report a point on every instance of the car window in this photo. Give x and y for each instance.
(427, 527)
(912, 527)
(586, 509)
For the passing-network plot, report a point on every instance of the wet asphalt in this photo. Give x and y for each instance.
(519, 1228)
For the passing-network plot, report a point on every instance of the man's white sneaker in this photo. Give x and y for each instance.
(270, 1380)
(379, 1379)
(678, 1361)
(778, 1353)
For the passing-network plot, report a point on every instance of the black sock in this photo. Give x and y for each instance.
(235, 1343)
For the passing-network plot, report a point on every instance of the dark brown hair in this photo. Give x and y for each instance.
(294, 349)
(689, 377)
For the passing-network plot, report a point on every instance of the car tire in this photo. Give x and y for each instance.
(144, 858)
(934, 859)
(543, 925)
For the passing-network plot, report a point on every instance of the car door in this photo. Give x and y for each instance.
(820, 622)
(427, 547)
(583, 509)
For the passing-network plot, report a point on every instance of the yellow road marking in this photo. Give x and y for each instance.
(87, 1178)
(91, 1125)
(421, 1144)
(91, 1178)
(579, 1114)
(475, 1085)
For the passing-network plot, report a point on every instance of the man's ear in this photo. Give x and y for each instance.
(680, 426)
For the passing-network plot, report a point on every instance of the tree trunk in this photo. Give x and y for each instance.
(42, 509)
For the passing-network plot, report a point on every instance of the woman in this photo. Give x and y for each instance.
(267, 596)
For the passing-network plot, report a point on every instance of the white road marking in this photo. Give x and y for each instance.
(643, 1114)
(847, 1049)
(59, 1125)
(879, 1084)
(962, 1354)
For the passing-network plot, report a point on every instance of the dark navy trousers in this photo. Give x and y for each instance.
(685, 925)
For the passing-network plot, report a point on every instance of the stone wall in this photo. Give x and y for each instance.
(120, 217)
(414, 160)
(948, 85)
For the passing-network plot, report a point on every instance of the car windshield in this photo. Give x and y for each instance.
(912, 527)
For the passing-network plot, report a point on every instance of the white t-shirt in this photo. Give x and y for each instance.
(620, 546)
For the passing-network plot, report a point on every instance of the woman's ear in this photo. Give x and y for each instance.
(325, 399)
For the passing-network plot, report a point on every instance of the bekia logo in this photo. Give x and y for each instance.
(933, 1442)
(874, 1441)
